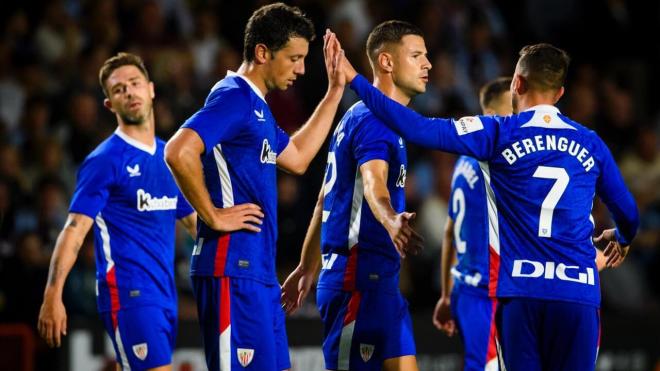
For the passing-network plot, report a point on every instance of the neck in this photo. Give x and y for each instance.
(535, 98)
(143, 133)
(254, 74)
(387, 86)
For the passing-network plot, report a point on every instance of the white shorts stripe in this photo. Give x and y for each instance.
(122, 353)
(225, 350)
(345, 346)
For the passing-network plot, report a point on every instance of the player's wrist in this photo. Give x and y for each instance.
(52, 295)
(334, 93)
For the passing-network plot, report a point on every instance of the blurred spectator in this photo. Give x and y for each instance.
(29, 266)
(640, 167)
(12, 94)
(619, 122)
(206, 45)
(81, 131)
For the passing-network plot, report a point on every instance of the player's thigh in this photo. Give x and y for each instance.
(405, 363)
(475, 317)
(240, 325)
(143, 337)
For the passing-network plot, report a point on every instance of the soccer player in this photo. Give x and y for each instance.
(541, 171)
(226, 154)
(469, 311)
(364, 229)
(125, 189)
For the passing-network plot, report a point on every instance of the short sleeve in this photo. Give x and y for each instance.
(222, 118)
(183, 208)
(371, 141)
(282, 140)
(93, 186)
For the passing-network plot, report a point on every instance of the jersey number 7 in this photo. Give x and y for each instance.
(548, 207)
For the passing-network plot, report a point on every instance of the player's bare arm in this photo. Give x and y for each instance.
(189, 222)
(307, 141)
(182, 155)
(52, 315)
(298, 284)
(405, 239)
(442, 318)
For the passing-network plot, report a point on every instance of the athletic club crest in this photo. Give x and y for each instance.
(140, 351)
(366, 351)
(245, 356)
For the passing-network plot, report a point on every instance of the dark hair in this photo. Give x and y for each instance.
(389, 32)
(273, 25)
(120, 60)
(492, 90)
(544, 66)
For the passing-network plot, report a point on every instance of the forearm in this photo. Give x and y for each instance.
(310, 256)
(65, 254)
(380, 204)
(374, 178)
(309, 139)
(190, 224)
(188, 173)
(447, 260)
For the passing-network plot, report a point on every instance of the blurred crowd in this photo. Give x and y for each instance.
(52, 115)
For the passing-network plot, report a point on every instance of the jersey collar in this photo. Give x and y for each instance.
(139, 145)
(544, 108)
(254, 87)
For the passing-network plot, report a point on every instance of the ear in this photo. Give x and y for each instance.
(261, 53)
(107, 104)
(559, 94)
(385, 62)
(152, 90)
(519, 85)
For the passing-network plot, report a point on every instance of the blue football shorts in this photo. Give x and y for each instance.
(143, 337)
(242, 324)
(364, 328)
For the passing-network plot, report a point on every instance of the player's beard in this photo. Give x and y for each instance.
(135, 119)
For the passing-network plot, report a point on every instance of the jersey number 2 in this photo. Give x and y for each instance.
(548, 207)
(459, 205)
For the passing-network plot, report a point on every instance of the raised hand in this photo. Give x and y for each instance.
(406, 240)
(295, 289)
(614, 251)
(244, 216)
(442, 318)
(332, 53)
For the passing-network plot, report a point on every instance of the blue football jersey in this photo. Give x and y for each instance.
(541, 173)
(126, 187)
(357, 251)
(467, 208)
(242, 142)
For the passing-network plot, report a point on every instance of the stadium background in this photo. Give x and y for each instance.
(51, 116)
